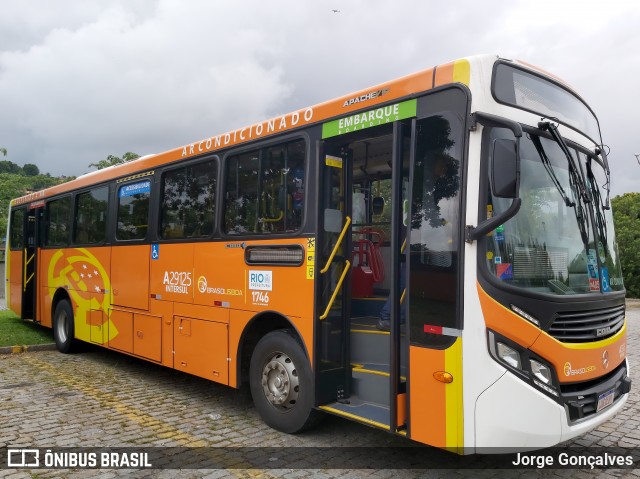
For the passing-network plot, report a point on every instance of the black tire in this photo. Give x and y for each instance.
(63, 327)
(282, 383)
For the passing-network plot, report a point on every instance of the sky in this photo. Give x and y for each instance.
(81, 80)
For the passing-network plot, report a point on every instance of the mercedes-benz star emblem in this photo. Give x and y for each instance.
(605, 359)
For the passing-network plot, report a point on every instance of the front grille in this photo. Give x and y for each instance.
(586, 326)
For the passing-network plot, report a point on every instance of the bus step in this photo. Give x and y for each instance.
(371, 382)
(361, 411)
(368, 345)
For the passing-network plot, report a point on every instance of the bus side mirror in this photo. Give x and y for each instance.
(505, 169)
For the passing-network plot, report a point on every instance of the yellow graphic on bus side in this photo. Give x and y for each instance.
(88, 284)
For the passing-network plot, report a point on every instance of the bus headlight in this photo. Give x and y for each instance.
(523, 363)
(541, 372)
(508, 355)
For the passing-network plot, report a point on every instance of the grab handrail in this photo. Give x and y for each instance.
(335, 248)
(347, 265)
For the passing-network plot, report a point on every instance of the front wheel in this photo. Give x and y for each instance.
(63, 327)
(281, 382)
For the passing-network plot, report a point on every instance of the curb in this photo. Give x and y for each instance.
(25, 348)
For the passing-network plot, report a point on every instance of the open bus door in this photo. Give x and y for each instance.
(32, 223)
(433, 260)
(361, 369)
(332, 281)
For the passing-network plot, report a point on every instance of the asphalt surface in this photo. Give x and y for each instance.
(98, 398)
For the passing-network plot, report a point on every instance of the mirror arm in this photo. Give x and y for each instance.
(488, 119)
(473, 233)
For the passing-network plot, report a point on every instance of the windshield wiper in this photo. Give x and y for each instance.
(576, 182)
(552, 174)
(573, 168)
(607, 172)
(601, 223)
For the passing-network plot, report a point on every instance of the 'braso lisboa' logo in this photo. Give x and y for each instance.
(569, 371)
(202, 284)
(89, 286)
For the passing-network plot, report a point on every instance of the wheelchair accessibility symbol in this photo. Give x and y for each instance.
(155, 251)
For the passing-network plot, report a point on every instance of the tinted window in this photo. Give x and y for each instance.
(58, 222)
(188, 201)
(17, 229)
(264, 190)
(435, 220)
(133, 210)
(91, 216)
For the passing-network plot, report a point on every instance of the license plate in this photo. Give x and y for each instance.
(605, 400)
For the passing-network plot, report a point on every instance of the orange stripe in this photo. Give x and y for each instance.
(428, 397)
(586, 359)
(444, 74)
(585, 363)
(505, 321)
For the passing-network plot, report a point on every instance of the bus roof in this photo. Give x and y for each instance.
(457, 71)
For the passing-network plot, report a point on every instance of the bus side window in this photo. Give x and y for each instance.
(264, 190)
(188, 201)
(16, 232)
(91, 215)
(242, 193)
(58, 214)
(133, 210)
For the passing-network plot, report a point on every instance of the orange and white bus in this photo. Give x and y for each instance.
(434, 256)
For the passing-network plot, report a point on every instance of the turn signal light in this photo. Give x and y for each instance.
(443, 377)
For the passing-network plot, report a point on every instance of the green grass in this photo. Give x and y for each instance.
(16, 332)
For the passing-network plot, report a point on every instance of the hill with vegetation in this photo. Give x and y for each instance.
(16, 181)
(626, 216)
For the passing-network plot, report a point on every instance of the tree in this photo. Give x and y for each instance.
(13, 185)
(3, 151)
(436, 171)
(113, 160)
(626, 217)
(7, 166)
(30, 169)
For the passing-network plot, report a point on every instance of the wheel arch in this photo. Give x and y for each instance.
(60, 295)
(260, 325)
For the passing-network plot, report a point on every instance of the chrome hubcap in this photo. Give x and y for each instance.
(280, 381)
(61, 326)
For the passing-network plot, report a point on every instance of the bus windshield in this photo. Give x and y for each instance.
(598, 182)
(531, 92)
(550, 245)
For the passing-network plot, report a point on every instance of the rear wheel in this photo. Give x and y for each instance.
(282, 383)
(63, 328)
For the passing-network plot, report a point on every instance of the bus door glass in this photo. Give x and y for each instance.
(29, 270)
(14, 259)
(433, 256)
(334, 241)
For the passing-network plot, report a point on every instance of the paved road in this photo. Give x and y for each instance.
(100, 398)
